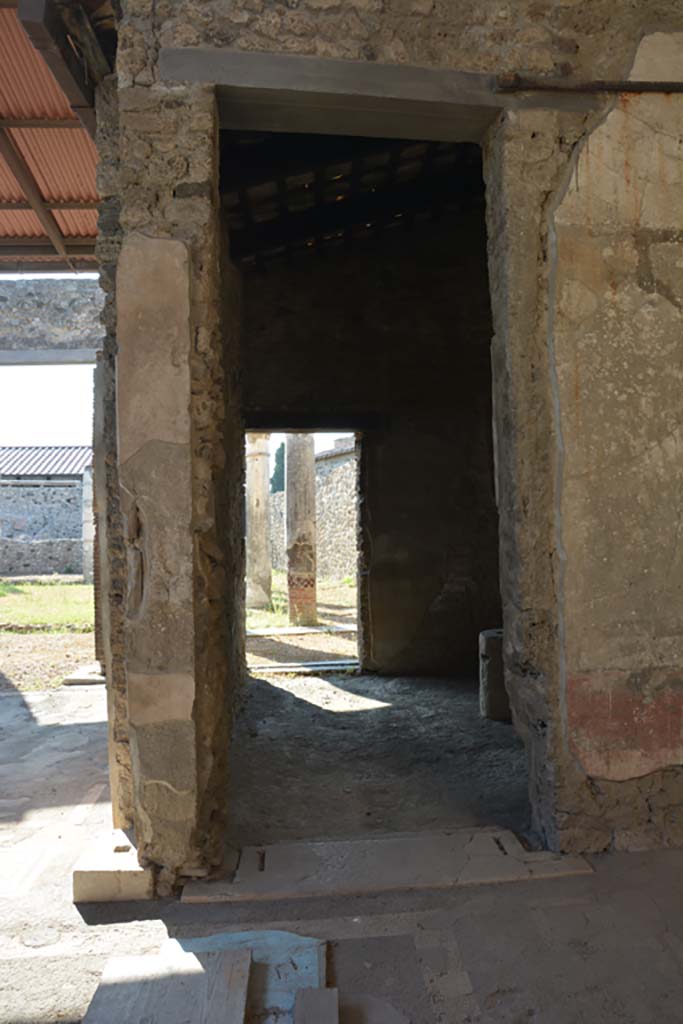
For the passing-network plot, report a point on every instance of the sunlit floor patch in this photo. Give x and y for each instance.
(324, 694)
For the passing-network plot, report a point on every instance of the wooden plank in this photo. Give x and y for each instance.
(317, 1006)
(206, 988)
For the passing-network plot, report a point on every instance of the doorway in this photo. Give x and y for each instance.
(366, 302)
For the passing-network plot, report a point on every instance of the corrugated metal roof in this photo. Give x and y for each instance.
(27, 86)
(62, 161)
(44, 460)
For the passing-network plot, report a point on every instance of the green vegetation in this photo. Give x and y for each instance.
(277, 480)
(45, 605)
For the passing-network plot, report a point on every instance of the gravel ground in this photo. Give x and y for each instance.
(39, 661)
(277, 650)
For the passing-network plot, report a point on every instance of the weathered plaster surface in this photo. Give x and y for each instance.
(619, 350)
(162, 173)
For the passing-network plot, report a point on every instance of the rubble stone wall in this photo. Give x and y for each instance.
(41, 511)
(40, 557)
(48, 313)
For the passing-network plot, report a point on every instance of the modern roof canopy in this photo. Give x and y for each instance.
(50, 61)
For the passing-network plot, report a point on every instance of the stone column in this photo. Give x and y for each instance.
(259, 567)
(88, 525)
(300, 529)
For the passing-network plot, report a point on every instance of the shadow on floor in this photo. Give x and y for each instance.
(344, 755)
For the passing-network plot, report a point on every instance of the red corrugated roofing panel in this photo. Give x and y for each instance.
(64, 163)
(27, 86)
(77, 223)
(20, 224)
(45, 460)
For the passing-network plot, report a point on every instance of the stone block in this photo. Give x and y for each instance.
(109, 871)
(494, 702)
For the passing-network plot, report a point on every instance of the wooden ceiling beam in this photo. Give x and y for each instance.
(367, 209)
(46, 30)
(67, 205)
(42, 246)
(288, 156)
(40, 122)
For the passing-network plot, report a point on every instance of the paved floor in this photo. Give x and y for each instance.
(602, 949)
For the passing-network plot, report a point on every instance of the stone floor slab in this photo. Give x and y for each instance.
(440, 860)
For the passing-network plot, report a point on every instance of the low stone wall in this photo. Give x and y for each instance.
(40, 557)
(336, 519)
(41, 528)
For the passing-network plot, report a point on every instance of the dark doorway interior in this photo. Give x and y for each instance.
(366, 302)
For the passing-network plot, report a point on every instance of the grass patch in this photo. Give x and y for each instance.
(47, 606)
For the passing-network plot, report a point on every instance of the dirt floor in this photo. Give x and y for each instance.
(279, 650)
(347, 754)
(37, 661)
(606, 948)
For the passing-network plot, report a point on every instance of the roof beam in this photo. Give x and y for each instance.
(25, 247)
(45, 28)
(67, 205)
(40, 122)
(397, 202)
(44, 266)
(22, 173)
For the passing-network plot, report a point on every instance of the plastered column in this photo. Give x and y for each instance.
(181, 470)
(300, 529)
(259, 567)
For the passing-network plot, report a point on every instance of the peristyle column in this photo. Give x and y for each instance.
(259, 566)
(300, 527)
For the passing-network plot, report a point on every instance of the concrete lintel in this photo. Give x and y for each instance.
(275, 92)
(47, 356)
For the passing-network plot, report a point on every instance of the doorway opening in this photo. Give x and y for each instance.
(366, 305)
(301, 521)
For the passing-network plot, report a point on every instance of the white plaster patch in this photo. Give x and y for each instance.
(153, 334)
(160, 698)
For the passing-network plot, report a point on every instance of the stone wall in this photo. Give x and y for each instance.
(161, 180)
(41, 527)
(40, 557)
(41, 511)
(412, 348)
(62, 314)
(336, 519)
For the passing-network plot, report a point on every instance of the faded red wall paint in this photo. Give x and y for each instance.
(624, 725)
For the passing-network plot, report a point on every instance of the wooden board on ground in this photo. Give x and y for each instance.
(317, 1006)
(206, 988)
(281, 964)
